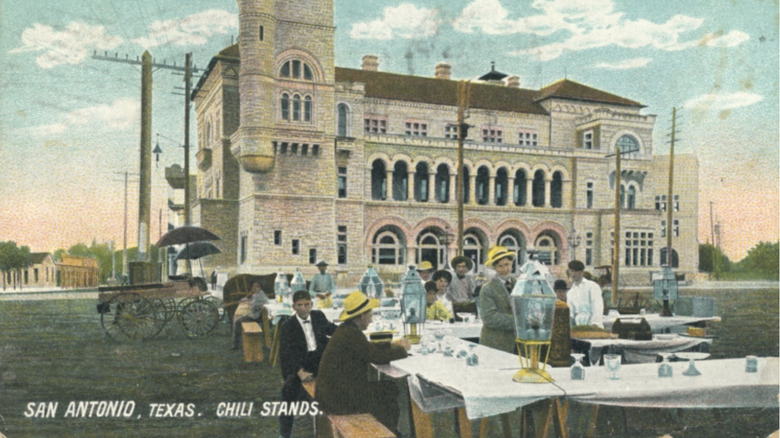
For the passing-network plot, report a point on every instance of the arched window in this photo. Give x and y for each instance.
(296, 69)
(343, 114)
(296, 107)
(466, 184)
(627, 145)
(285, 105)
(556, 190)
(515, 245)
(473, 250)
(538, 189)
(430, 248)
(378, 180)
(622, 196)
(307, 109)
(502, 182)
(520, 188)
(443, 183)
(388, 249)
(631, 197)
(400, 181)
(482, 182)
(548, 248)
(421, 179)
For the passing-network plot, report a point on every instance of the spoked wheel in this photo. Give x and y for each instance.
(129, 317)
(198, 317)
(165, 308)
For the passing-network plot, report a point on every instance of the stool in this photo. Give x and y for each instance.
(252, 336)
(358, 426)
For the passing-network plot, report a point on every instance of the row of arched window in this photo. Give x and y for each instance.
(520, 189)
(296, 108)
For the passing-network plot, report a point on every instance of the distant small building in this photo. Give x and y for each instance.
(74, 271)
(42, 272)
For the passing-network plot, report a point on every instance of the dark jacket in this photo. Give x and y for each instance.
(342, 383)
(498, 322)
(292, 344)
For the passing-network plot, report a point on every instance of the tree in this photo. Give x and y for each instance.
(713, 260)
(14, 259)
(763, 260)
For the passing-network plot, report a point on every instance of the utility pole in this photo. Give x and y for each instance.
(124, 247)
(670, 194)
(464, 101)
(188, 59)
(616, 235)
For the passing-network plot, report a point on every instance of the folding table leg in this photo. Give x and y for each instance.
(462, 423)
(423, 425)
(593, 419)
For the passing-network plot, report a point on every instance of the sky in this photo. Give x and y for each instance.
(70, 124)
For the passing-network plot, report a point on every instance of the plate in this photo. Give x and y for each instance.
(691, 355)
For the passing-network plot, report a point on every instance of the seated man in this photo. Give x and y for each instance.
(434, 309)
(253, 312)
(322, 286)
(343, 386)
(302, 340)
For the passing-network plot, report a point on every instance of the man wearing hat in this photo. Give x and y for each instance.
(302, 340)
(425, 270)
(322, 286)
(461, 290)
(495, 307)
(584, 297)
(342, 383)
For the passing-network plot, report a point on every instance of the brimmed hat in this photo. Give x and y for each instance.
(460, 259)
(442, 273)
(321, 263)
(356, 303)
(497, 253)
(424, 265)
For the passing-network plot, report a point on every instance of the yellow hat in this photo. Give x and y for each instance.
(356, 303)
(424, 265)
(497, 253)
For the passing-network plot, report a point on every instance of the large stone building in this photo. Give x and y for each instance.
(300, 160)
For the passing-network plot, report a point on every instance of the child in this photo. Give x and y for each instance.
(434, 309)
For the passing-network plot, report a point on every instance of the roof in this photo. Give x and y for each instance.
(493, 75)
(566, 89)
(229, 53)
(38, 257)
(394, 86)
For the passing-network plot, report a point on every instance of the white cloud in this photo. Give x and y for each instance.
(69, 46)
(121, 114)
(731, 39)
(405, 21)
(623, 65)
(46, 130)
(191, 30)
(719, 102)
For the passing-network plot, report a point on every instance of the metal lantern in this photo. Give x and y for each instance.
(371, 285)
(413, 306)
(298, 282)
(665, 288)
(281, 286)
(533, 307)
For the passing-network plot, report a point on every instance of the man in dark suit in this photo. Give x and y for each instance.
(302, 340)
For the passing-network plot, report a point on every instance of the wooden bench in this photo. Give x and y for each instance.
(252, 336)
(358, 426)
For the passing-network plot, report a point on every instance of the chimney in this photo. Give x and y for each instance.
(370, 62)
(513, 81)
(443, 71)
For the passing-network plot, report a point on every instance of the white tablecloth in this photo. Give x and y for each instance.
(662, 324)
(642, 351)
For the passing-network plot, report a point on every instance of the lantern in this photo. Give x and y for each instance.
(371, 285)
(281, 286)
(298, 282)
(665, 288)
(413, 306)
(533, 307)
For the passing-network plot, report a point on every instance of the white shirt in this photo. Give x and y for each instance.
(585, 303)
(308, 331)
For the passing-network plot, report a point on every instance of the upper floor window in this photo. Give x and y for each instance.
(627, 144)
(375, 124)
(660, 202)
(296, 69)
(527, 138)
(416, 128)
(451, 131)
(294, 108)
(589, 195)
(342, 119)
(492, 134)
(587, 139)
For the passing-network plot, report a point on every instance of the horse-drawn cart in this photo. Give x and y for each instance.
(141, 311)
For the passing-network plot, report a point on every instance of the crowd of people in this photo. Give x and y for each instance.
(338, 355)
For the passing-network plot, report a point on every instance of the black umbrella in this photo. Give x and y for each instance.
(186, 234)
(197, 250)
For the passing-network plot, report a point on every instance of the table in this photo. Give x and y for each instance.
(637, 351)
(663, 324)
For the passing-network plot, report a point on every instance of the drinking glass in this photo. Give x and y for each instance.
(692, 357)
(577, 370)
(612, 362)
(665, 369)
(439, 335)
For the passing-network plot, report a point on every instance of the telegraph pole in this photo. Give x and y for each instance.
(464, 101)
(188, 59)
(616, 236)
(669, 193)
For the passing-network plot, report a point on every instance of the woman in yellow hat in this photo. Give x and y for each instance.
(342, 382)
(495, 306)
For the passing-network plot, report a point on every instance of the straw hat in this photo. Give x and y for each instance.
(356, 303)
(425, 265)
(497, 253)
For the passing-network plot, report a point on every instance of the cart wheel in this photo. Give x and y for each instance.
(130, 317)
(198, 318)
(165, 308)
(219, 305)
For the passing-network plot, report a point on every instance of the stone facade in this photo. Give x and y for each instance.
(360, 166)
